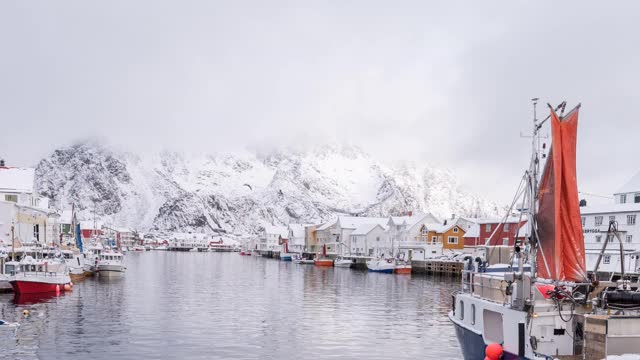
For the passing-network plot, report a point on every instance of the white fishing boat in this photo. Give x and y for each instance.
(381, 265)
(343, 262)
(546, 306)
(111, 264)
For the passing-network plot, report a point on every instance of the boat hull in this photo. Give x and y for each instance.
(324, 262)
(382, 271)
(343, 264)
(472, 344)
(403, 270)
(285, 257)
(36, 287)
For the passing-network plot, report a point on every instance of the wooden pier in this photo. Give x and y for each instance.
(437, 267)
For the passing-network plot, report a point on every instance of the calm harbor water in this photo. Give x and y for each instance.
(226, 306)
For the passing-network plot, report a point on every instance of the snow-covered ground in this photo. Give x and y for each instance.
(239, 193)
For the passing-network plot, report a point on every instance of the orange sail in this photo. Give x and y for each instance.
(561, 254)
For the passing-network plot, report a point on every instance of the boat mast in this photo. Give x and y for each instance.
(533, 190)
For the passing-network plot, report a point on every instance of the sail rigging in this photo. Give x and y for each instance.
(560, 238)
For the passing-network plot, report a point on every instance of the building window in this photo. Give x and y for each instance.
(629, 238)
(377, 238)
(631, 219)
(606, 259)
(623, 198)
(636, 198)
(612, 218)
(505, 241)
(12, 198)
(598, 238)
(610, 238)
(425, 231)
(455, 229)
(487, 227)
(584, 221)
(452, 240)
(36, 232)
(598, 220)
(505, 227)
(461, 310)
(434, 240)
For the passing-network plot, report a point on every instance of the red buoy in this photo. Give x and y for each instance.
(493, 351)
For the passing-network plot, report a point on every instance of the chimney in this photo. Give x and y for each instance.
(445, 222)
(453, 216)
(583, 203)
(410, 213)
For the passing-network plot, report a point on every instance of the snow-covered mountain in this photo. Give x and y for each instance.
(240, 193)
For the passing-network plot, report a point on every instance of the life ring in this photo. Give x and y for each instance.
(389, 261)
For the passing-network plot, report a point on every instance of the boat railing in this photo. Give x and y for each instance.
(484, 285)
(37, 273)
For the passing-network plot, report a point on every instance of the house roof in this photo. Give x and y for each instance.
(610, 208)
(276, 229)
(473, 232)
(633, 185)
(297, 230)
(352, 222)
(20, 180)
(509, 220)
(365, 229)
(326, 225)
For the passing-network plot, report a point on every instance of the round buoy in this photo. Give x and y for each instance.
(57, 289)
(493, 351)
(25, 312)
(71, 284)
(67, 287)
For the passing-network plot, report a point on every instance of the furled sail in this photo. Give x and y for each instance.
(561, 254)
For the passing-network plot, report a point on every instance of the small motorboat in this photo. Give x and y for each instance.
(343, 262)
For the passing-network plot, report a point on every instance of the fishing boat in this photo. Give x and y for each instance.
(110, 264)
(138, 248)
(343, 262)
(75, 263)
(322, 259)
(403, 267)
(381, 265)
(544, 304)
(40, 276)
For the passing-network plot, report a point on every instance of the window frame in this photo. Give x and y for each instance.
(606, 259)
(452, 243)
(597, 220)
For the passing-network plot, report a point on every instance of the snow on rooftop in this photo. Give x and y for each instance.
(20, 180)
(364, 229)
(352, 222)
(275, 229)
(509, 220)
(298, 230)
(473, 232)
(633, 185)
(610, 208)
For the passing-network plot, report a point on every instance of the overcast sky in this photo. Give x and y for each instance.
(447, 82)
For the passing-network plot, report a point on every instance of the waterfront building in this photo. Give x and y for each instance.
(368, 239)
(625, 211)
(296, 237)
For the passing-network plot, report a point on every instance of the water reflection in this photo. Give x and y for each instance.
(222, 306)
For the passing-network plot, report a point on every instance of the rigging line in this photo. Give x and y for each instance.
(595, 195)
(519, 192)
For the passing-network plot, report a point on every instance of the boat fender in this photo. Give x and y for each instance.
(67, 287)
(25, 312)
(389, 261)
(493, 351)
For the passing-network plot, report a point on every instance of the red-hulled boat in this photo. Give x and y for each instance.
(40, 276)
